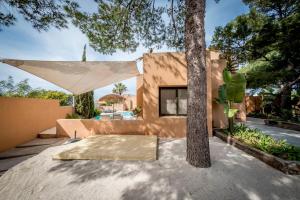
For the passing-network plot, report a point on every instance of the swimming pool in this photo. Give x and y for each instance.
(127, 115)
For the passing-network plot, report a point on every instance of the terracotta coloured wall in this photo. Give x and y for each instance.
(160, 69)
(21, 119)
(87, 127)
(167, 69)
(139, 90)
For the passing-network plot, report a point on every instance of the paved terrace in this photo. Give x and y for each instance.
(233, 175)
(291, 136)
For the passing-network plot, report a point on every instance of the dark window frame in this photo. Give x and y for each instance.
(176, 88)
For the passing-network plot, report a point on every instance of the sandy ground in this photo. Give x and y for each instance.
(233, 175)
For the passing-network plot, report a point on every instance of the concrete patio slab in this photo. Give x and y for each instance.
(291, 136)
(112, 147)
(233, 175)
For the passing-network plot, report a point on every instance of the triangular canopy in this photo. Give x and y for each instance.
(76, 76)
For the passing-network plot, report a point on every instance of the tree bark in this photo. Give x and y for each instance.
(198, 153)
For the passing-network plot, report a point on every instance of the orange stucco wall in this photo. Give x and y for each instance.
(139, 90)
(21, 119)
(167, 69)
(160, 70)
(87, 127)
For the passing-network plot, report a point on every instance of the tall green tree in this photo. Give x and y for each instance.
(233, 40)
(266, 43)
(42, 14)
(119, 88)
(9, 88)
(84, 103)
(126, 24)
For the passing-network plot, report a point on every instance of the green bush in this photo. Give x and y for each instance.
(137, 111)
(64, 99)
(84, 104)
(256, 139)
(97, 112)
(73, 116)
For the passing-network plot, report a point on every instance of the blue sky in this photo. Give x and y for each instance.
(23, 42)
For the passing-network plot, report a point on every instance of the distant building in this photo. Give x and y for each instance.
(128, 104)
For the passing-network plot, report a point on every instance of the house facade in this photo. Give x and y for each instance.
(162, 94)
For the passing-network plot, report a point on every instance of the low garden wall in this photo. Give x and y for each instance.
(87, 127)
(164, 127)
(286, 166)
(21, 119)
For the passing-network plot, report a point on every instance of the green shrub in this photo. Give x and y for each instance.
(73, 116)
(64, 99)
(137, 111)
(84, 104)
(256, 139)
(97, 112)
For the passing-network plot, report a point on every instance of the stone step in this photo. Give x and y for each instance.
(19, 152)
(6, 164)
(39, 142)
(49, 133)
(29, 150)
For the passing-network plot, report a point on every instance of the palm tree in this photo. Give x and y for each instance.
(119, 88)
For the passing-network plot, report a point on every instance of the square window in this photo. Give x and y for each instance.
(172, 101)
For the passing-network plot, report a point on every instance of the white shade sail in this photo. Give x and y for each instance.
(76, 76)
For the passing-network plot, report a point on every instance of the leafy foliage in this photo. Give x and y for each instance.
(137, 111)
(9, 88)
(125, 24)
(84, 103)
(232, 91)
(233, 40)
(73, 116)
(259, 140)
(97, 112)
(40, 13)
(265, 43)
(64, 99)
(119, 88)
(22, 89)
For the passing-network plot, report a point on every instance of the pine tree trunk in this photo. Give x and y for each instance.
(198, 153)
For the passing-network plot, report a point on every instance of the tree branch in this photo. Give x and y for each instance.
(173, 20)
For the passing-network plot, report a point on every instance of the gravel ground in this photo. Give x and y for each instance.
(233, 175)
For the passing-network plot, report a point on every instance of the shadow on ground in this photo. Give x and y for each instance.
(233, 175)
